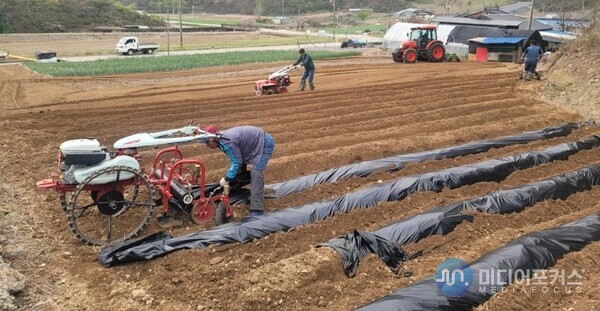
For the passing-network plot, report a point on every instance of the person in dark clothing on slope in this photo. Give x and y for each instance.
(309, 69)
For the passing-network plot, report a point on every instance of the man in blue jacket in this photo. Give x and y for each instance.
(309, 69)
(245, 145)
(531, 56)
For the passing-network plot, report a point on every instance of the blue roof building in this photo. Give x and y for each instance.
(502, 49)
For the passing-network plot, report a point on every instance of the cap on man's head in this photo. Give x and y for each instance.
(212, 129)
(301, 51)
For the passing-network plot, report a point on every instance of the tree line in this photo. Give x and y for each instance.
(35, 16)
(267, 7)
(293, 7)
(23, 16)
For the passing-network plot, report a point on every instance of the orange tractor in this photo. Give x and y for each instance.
(422, 45)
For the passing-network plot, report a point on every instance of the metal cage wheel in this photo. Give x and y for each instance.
(121, 209)
(64, 202)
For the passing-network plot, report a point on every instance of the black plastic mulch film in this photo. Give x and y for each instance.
(256, 227)
(442, 220)
(395, 163)
(534, 251)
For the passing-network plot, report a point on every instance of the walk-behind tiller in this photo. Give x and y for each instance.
(277, 82)
(109, 199)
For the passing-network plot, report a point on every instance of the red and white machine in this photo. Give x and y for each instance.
(108, 198)
(277, 82)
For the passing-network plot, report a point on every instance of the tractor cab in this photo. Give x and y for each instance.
(423, 45)
(422, 36)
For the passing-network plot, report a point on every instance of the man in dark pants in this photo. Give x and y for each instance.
(309, 69)
(531, 56)
(245, 145)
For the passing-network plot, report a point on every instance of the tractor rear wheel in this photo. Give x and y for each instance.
(410, 56)
(436, 52)
(119, 211)
(397, 56)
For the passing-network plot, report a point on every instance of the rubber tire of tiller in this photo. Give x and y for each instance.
(221, 214)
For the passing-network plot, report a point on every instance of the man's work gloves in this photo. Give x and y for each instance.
(224, 182)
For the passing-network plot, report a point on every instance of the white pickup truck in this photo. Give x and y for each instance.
(130, 45)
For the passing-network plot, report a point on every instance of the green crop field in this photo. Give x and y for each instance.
(179, 62)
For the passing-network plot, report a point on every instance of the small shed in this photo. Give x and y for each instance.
(463, 34)
(517, 8)
(501, 49)
(477, 14)
(464, 21)
(46, 57)
(564, 24)
(411, 12)
(555, 39)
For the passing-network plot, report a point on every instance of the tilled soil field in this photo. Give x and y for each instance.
(363, 109)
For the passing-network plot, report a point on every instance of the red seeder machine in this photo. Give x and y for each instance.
(108, 198)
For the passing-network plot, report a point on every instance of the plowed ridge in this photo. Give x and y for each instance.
(363, 109)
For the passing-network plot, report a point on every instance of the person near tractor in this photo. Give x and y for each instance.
(424, 39)
(531, 56)
(245, 145)
(309, 69)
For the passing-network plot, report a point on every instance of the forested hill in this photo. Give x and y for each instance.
(29, 16)
(38, 16)
(293, 7)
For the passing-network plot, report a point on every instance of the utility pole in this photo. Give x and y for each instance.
(530, 16)
(583, 6)
(168, 32)
(446, 8)
(282, 11)
(544, 8)
(258, 9)
(180, 29)
(334, 22)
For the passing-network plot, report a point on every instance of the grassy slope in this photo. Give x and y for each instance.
(573, 81)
